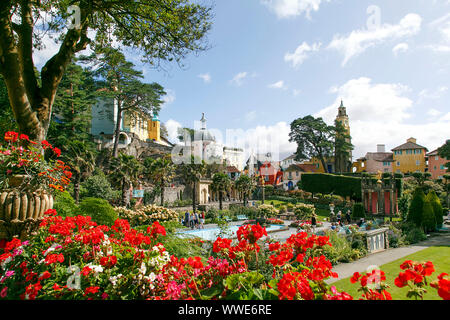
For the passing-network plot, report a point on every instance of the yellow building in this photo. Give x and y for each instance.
(359, 165)
(409, 157)
(320, 169)
(154, 129)
(136, 123)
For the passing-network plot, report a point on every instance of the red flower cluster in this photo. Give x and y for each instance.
(156, 229)
(108, 261)
(442, 284)
(372, 284)
(414, 271)
(251, 233)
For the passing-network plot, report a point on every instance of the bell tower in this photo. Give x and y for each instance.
(343, 158)
(154, 129)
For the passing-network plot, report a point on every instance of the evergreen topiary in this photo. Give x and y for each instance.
(416, 207)
(358, 211)
(437, 207)
(65, 205)
(428, 218)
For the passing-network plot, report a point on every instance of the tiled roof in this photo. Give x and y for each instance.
(380, 156)
(409, 145)
(232, 169)
(302, 167)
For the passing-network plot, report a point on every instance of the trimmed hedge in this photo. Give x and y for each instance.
(327, 183)
(344, 186)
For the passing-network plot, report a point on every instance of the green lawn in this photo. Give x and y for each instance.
(440, 256)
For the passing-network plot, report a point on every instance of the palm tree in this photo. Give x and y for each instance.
(192, 173)
(160, 171)
(245, 184)
(125, 171)
(221, 183)
(82, 162)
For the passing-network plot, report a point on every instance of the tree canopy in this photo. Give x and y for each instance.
(166, 30)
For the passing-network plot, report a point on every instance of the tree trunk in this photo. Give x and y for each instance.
(76, 188)
(162, 195)
(117, 133)
(125, 190)
(193, 198)
(245, 199)
(220, 200)
(31, 103)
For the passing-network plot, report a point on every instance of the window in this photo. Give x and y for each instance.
(436, 158)
(398, 163)
(442, 167)
(417, 162)
(296, 173)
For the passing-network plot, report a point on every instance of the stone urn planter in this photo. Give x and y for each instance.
(22, 209)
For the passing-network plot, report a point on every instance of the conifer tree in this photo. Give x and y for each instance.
(416, 207)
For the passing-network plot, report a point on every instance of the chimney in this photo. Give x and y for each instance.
(381, 148)
(413, 140)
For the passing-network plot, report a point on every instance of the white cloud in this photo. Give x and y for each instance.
(301, 53)
(250, 116)
(359, 41)
(206, 77)
(427, 94)
(238, 79)
(278, 85)
(263, 139)
(172, 127)
(168, 98)
(401, 47)
(442, 26)
(434, 112)
(292, 8)
(296, 92)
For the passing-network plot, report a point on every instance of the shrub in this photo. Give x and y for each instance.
(65, 205)
(358, 211)
(413, 234)
(99, 210)
(416, 207)
(267, 210)
(304, 211)
(98, 186)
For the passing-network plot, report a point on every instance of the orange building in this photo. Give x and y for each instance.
(409, 157)
(436, 165)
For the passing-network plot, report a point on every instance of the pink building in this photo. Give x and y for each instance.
(378, 161)
(436, 165)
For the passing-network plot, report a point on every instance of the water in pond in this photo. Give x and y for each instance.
(212, 233)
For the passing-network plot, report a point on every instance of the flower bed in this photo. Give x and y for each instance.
(74, 258)
(304, 224)
(146, 214)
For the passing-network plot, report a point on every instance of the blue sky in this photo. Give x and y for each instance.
(272, 61)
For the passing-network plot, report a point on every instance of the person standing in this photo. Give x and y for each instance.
(348, 216)
(191, 221)
(314, 221)
(186, 219)
(339, 217)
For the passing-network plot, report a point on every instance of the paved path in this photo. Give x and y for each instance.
(346, 270)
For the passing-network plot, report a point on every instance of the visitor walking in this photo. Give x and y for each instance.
(202, 220)
(196, 219)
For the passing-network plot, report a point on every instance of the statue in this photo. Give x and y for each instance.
(379, 176)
